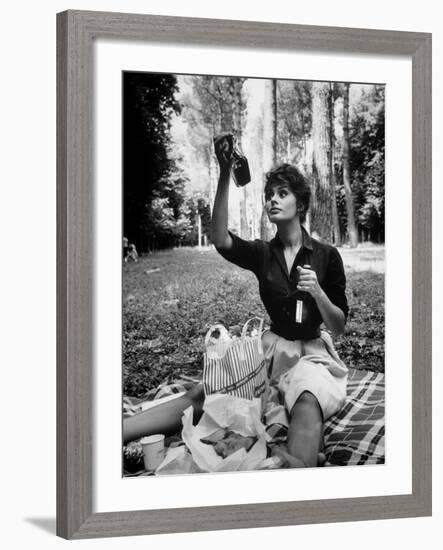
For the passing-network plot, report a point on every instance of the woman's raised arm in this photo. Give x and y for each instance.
(219, 224)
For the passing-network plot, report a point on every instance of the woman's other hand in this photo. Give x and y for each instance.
(224, 147)
(307, 281)
(333, 316)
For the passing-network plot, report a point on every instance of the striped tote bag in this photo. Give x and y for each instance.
(235, 366)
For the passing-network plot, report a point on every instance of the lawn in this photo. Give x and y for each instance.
(171, 298)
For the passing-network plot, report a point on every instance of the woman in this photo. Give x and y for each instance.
(302, 284)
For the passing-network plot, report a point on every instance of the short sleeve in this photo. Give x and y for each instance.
(245, 254)
(335, 286)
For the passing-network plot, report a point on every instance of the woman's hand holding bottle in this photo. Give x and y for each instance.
(230, 158)
(308, 282)
(224, 148)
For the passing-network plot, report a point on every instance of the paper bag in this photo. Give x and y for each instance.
(236, 414)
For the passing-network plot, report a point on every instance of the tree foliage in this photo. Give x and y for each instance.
(294, 121)
(297, 121)
(149, 104)
(367, 158)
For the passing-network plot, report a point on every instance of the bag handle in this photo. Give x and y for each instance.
(221, 328)
(245, 326)
(260, 331)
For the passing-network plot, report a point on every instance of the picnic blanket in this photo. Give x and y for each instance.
(353, 436)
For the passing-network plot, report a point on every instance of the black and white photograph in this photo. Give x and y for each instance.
(253, 269)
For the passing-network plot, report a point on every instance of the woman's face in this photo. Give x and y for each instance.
(281, 203)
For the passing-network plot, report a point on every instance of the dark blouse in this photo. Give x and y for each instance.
(278, 288)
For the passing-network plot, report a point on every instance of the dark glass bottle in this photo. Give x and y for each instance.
(301, 310)
(240, 167)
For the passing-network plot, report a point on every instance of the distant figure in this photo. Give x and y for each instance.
(131, 255)
(125, 248)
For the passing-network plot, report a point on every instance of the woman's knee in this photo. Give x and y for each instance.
(306, 401)
(307, 398)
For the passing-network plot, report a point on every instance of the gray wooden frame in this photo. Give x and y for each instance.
(76, 31)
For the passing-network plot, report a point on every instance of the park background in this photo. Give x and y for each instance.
(28, 323)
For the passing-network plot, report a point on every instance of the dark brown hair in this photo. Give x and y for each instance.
(297, 183)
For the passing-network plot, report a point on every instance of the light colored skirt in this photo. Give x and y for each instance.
(306, 365)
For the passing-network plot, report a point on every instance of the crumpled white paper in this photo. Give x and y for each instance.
(236, 414)
(178, 460)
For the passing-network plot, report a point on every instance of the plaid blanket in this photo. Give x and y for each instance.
(354, 436)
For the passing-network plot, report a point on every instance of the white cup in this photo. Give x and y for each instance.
(153, 451)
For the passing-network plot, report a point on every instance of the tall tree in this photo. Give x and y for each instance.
(237, 109)
(252, 143)
(321, 214)
(352, 230)
(219, 108)
(269, 148)
(367, 161)
(201, 116)
(294, 121)
(335, 220)
(148, 105)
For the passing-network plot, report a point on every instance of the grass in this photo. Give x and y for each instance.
(367, 257)
(171, 298)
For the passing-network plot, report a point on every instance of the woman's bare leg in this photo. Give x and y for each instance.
(165, 418)
(305, 433)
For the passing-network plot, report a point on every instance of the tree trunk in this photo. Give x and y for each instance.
(199, 225)
(213, 177)
(252, 143)
(335, 222)
(321, 213)
(267, 230)
(352, 230)
(237, 111)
